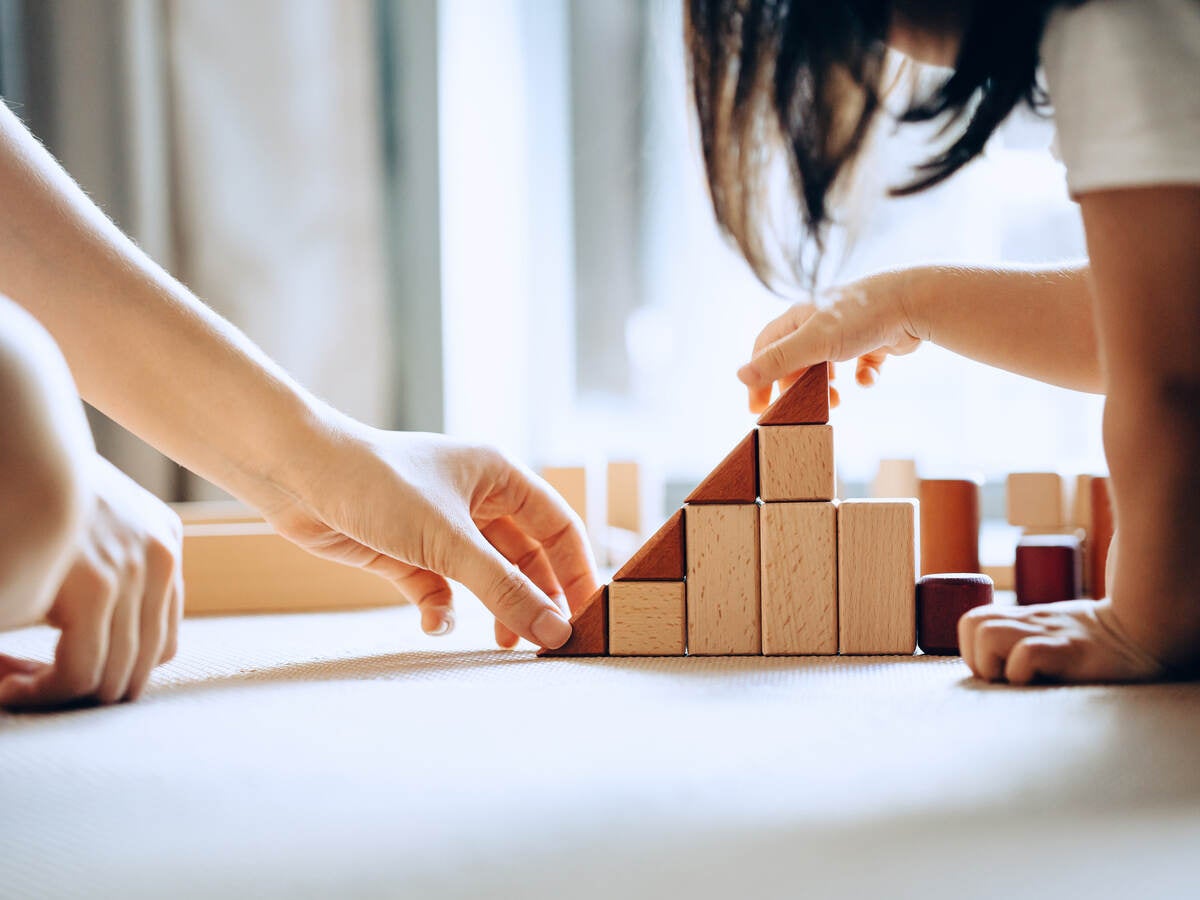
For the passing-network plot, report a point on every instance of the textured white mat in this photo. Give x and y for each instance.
(347, 755)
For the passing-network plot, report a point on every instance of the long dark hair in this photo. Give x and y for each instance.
(805, 77)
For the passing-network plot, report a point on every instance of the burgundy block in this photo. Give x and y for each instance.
(941, 601)
(1049, 568)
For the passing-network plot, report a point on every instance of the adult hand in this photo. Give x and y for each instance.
(419, 509)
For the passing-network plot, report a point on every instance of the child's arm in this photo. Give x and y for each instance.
(1037, 323)
(415, 509)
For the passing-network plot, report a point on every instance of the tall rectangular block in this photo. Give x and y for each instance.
(799, 578)
(722, 580)
(877, 576)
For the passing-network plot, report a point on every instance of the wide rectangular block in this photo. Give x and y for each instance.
(795, 462)
(1036, 500)
(646, 618)
(722, 580)
(798, 546)
(877, 576)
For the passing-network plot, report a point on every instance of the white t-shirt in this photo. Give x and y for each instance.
(1124, 79)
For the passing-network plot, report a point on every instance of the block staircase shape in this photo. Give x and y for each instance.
(762, 559)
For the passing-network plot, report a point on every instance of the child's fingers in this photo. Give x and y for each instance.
(994, 640)
(528, 556)
(1044, 656)
(78, 661)
(426, 590)
(869, 364)
(506, 638)
(15, 665)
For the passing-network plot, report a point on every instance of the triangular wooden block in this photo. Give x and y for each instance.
(589, 635)
(805, 403)
(660, 558)
(735, 479)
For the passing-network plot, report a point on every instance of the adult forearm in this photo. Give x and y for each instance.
(141, 347)
(1035, 322)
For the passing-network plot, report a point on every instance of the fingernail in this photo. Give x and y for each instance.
(550, 629)
(444, 626)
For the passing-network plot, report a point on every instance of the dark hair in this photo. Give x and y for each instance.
(804, 76)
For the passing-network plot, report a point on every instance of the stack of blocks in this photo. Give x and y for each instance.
(762, 559)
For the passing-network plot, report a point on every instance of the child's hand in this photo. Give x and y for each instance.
(1072, 641)
(418, 509)
(868, 319)
(118, 608)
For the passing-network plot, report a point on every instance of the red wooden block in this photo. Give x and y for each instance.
(735, 479)
(660, 558)
(805, 403)
(589, 634)
(1049, 568)
(1100, 536)
(941, 602)
(949, 525)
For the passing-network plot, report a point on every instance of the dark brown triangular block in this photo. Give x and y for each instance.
(805, 403)
(735, 479)
(660, 558)
(589, 629)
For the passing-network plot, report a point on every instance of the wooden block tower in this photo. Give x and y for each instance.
(762, 559)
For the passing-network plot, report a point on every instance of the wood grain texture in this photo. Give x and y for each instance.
(1036, 500)
(941, 601)
(795, 462)
(624, 488)
(877, 567)
(735, 479)
(589, 629)
(659, 559)
(647, 618)
(1049, 568)
(245, 567)
(722, 580)
(895, 478)
(1100, 535)
(805, 403)
(798, 544)
(572, 483)
(950, 517)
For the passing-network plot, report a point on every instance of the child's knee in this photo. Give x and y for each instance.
(44, 447)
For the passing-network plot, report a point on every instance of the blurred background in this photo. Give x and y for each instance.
(488, 217)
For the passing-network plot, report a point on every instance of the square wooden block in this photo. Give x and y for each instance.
(1036, 500)
(795, 462)
(799, 578)
(877, 576)
(646, 618)
(722, 580)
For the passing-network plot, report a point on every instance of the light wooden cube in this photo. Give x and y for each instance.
(646, 618)
(722, 580)
(795, 462)
(1036, 500)
(877, 576)
(799, 578)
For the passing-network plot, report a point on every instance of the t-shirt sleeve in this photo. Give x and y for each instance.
(1124, 79)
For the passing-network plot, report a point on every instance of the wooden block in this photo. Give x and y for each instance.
(1036, 500)
(625, 496)
(805, 403)
(735, 479)
(950, 516)
(799, 578)
(1100, 534)
(1049, 568)
(647, 618)
(722, 580)
(795, 462)
(589, 629)
(941, 601)
(1003, 576)
(245, 567)
(877, 568)
(661, 558)
(571, 482)
(215, 512)
(1081, 502)
(895, 478)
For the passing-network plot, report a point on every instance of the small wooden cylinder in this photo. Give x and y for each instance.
(1049, 568)
(949, 525)
(942, 600)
